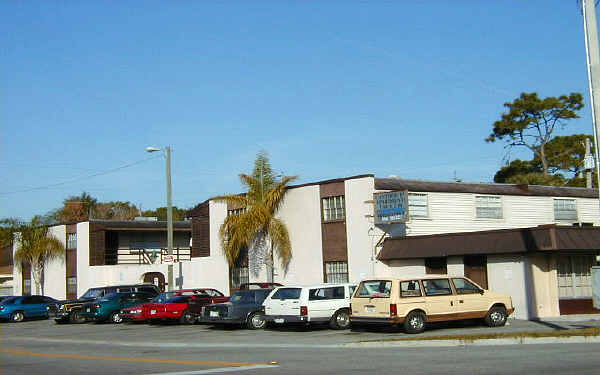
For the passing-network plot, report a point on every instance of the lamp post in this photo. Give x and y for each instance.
(167, 151)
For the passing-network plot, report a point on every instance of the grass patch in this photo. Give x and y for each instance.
(585, 332)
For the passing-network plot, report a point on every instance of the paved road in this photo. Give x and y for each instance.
(41, 347)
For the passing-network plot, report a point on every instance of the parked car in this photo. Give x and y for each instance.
(70, 311)
(326, 303)
(244, 307)
(185, 306)
(140, 313)
(17, 309)
(246, 286)
(108, 308)
(416, 301)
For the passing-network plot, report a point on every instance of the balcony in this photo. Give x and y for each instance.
(146, 256)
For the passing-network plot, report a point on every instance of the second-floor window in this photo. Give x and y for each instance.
(334, 208)
(71, 240)
(418, 205)
(565, 209)
(487, 207)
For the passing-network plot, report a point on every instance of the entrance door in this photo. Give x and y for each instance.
(575, 276)
(476, 269)
(156, 278)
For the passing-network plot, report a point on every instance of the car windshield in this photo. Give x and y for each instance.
(178, 299)
(163, 297)
(108, 297)
(242, 297)
(9, 301)
(92, 293)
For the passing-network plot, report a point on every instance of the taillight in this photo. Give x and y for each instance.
(304, 310)
(393, 309)
(96, 306)
(1, 307)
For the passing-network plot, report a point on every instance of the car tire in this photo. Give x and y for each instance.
(115, 318)
(17, 317)
(340, 320)
(76, 317)
(61, 321)
(415, 322)
(187, 318)
(496, 317)
(256, 320)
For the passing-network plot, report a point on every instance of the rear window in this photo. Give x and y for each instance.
(242, 297)
(326, 293)
(375, 288)
(287, 293)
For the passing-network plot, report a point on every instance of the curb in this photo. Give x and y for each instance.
(478, 342)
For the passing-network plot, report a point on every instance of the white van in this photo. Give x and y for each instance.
(308, 304)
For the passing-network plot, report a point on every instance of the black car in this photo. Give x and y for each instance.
(244, 307)
(70, 311)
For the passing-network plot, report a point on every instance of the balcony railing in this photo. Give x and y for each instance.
(147, 256)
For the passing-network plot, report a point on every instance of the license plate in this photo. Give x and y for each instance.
(279, 320)
(214, 314)
(88, 309)
(152, 311)
(370, 309)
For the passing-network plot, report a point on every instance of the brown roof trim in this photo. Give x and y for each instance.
(500, 241)
(140, 225)
(331, 181)
(483, 188)
(199, 210)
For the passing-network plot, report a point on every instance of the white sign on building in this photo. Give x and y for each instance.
(391, 207)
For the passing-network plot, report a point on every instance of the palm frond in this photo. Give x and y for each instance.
(280, 239)
(275, 195)
(233, 199)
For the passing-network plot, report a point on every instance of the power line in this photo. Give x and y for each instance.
(80, 178)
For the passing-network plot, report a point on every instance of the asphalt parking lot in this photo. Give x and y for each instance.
(42, 346)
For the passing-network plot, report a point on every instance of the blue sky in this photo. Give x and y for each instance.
(328, 88)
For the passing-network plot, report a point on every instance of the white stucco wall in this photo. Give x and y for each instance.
(55, 284)
(301, 213)
(401, 268)
(360, 237)
(456, 266)
(17, 276)
(507, 274)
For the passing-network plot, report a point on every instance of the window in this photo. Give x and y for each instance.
(565, 209)
(336, 272)
(418, 205)
(464, 286)
(438, 287)
(236, 211)
(287, 293)
(326, 293)
(436, 266)
(487, 207)
(71, 240)
(71, 285)
(334, 208)
(375, 288)
(239, 276)
(410, 289)
(27, 287)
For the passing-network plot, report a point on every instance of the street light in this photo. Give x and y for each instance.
(167, 151)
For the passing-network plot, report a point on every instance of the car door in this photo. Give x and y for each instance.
(469, 301)
(35, 306)
(285, 301)
(439, 299)
(323, 302)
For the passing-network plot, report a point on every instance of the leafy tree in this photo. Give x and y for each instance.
(530, 122)
(115, 211)
(256, 229)
(36, 246)
(76, 208)
(567, 153)
(161, 213)
(515, 168)
(537, 179)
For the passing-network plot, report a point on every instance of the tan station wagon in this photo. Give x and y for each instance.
(416, 301)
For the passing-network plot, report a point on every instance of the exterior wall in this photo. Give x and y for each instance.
(401, 268)
(55, 282)
(86, 276)
(544, 286)
(301, 213)
(359, 224)
(17, 281)
(456, 266)
(507, 274)
(455, 212)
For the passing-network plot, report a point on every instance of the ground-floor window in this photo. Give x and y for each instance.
(336, 272)
(71, 287)
(575, 276)
(239, 276)
(436, 266)
(27, 287)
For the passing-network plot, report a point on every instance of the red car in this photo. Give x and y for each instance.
(185, 305)
(140, 313)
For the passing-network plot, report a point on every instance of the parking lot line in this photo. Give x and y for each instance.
(218, 370)
(132, 359)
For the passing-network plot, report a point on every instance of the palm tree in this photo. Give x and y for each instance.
(36, 246)
(256, 229)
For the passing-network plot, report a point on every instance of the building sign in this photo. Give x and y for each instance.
(390, 207)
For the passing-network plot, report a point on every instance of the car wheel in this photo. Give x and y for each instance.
(187, 318)
(115, 318)
(340, 320)
(414, 322)
(256, 320)
(76, 317)
(496, 317)
(17, 317)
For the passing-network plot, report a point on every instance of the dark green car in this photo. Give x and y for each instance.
(108, 307)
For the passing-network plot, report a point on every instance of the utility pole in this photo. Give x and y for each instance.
(169, 219)
(590, 28)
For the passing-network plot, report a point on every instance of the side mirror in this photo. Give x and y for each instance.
(481, 291)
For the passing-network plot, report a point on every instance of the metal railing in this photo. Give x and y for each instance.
(147, 256)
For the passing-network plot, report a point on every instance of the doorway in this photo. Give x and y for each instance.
(156, 278)
(476, 269)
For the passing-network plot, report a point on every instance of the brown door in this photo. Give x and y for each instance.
(155, 278)
(476, 269)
